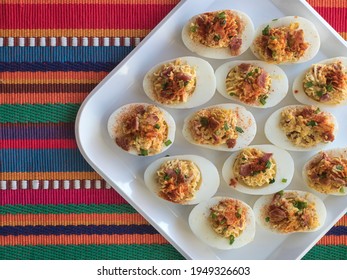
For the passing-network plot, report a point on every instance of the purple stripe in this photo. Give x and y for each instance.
(37, 131)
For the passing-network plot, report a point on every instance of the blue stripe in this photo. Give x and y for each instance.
(38, 131)
(64, 54)
(80, 229)
(338, 231)
(57, 66)
(42, 160)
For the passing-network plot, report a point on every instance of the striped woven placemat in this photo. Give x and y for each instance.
(52, 204)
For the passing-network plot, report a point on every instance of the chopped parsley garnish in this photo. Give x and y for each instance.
(280, 192)
(239, 129)
(275, 19)
(339, 167)
(238, 213)
(329, 87)
(168, 142)
(312, 123)
(300, 204)
(317, 111)
(221, 15)
(164, 85)
(213, 215)
(267, 219)
(193, 28)
(272, 181)
(243, 158)
(143, 152)
(177, 171)
(232, 93)
(231, 239)
(262, 99)
(309, 84)
(226, 126)
(323, 175)
(284, 180)
(167, 177)
(216, 37)
(342, 190)
(273, 37)
(268, 164)
(204, 121)
(319, 93)
(223, 22)
(157, 126)
(266, 30)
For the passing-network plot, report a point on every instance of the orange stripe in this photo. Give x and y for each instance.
(42, 98)
(72, 219)
(52, 2)
(51, 77)
(139, 33)
(343, 35)
(333, 240)
(328, 3)
(342, 221)
(74, 239)
(14, 176)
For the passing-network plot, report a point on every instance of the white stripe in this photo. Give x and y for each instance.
(108, 186)
(137, 41)
(97, 184)
(13, 185)
(117, 42)
(42, 42)
(74, 42)
(53, 41)
(24, 184)
(127, 42)
(77, 184)
(63, 41)
(35, 184)
(10, 41)
(55, 184)
(87, 184)
(85, 42)
(95, 42)
(1, 42)
(3, 185)
(21, 42)
(45, 185)
(106, 41)
(66, 184)
(32, 42)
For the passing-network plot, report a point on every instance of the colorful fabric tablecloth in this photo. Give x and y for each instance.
(52, 204)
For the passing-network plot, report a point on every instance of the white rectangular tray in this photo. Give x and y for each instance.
(125, 172)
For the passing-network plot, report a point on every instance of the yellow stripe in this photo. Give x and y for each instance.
(72, 219)
(5, 176)
(74, 32)
(328, 3)
(52, 2)
(50, 77)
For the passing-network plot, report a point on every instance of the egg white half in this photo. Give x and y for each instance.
(219, 53)
(311, 36)
(114, 118)
(265, 200)
(279, 82)
(337, 152)
(284, 171)
(276, 135)
(199, 224)
(209, 177)
(245, 121)
(205, 83)
(298, 87)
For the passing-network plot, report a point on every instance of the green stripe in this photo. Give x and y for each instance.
(91, 252)
(38, 113)
(66, 209)
(330, 252)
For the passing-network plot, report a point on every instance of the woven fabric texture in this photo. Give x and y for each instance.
(52, 204)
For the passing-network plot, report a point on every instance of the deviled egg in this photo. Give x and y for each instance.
(218, 34)
(259, 170)
(223, 127)
(223, 222)
(184, 82)
(301, 128)
(286, 40)
(290, 211)
(323, 83)
(141, 129)
(326, 172)
(254, 83)
(182, 179)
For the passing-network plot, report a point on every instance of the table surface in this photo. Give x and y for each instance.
(52, 204)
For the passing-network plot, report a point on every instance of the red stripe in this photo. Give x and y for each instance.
(73, 16)
(60, 196)
(336, 17)
(38, 144)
